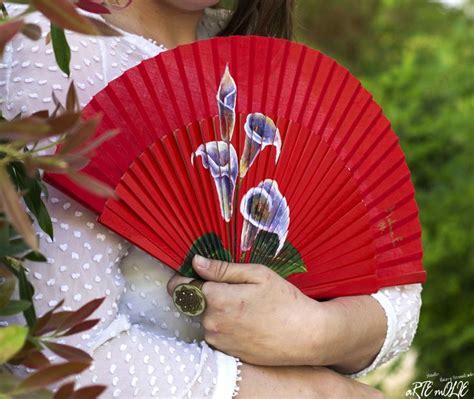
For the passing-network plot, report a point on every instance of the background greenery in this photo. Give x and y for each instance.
(417, 58)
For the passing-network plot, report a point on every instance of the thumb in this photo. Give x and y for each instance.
(226, 272)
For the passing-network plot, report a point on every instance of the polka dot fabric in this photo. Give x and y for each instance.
(142, 347)
(139, 363)
(83, 264)
(146, 301)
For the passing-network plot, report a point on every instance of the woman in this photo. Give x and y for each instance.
(140, 347)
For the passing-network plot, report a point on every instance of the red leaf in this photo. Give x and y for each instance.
(36, 360)
(103, 28)
(81, 314)
(64, 122)
(49, 375)
(80, 327)
(65, 391)
(92, 184)
(72, 101)
(43, 320)
(81, 133)
(92, 6)
(90, 392)
(64, 14)
(55, 320)
(68, 352)
(31, 31)
(8, 30)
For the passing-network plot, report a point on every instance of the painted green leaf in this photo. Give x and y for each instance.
(12, 339)
(208, 245)
(62, 52)
(264, 248)
(286, 263)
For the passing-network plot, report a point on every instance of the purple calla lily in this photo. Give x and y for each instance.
(221, 159)
(264, 208)
(226, 98)
(260, 131)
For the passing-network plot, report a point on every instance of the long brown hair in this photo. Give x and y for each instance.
(261, 17)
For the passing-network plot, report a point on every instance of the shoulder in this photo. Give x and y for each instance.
(29, 72)
(212, 22)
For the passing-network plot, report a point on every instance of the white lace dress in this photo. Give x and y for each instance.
(142, 347)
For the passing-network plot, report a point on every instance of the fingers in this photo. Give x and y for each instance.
(226, 272)
(176, 280)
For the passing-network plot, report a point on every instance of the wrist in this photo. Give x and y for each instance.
(351, 334)
(312, 337)
(329, 327)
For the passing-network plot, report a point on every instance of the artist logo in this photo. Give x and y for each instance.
(437, 386)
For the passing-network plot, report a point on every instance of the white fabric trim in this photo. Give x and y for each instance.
(391, 317)
(402, 306)
(227, 376)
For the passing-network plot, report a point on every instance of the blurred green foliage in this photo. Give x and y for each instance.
(417, 58)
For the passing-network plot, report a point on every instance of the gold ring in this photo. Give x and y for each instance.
(189, 298)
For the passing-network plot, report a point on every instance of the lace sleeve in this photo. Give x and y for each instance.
(402, 308)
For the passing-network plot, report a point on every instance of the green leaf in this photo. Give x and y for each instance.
(12, 339)
(62, 52)
(208, 245)
(32, 188)
(26, 293)
(10, 201)
(35, 257)
(13, 247)
(14, 307)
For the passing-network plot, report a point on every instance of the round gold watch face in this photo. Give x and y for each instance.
(189, 299)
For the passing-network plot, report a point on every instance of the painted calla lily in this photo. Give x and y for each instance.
(226, 98)
(221, 159)
(260, 131)
(264, 208)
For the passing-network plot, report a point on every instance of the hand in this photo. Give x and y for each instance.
(254, 314)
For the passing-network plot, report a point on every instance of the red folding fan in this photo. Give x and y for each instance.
(256, 150)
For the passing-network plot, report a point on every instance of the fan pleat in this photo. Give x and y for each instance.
(353, 217)
(146, 188)
(125, 223)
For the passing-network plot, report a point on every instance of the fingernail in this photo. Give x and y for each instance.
(201, 261)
